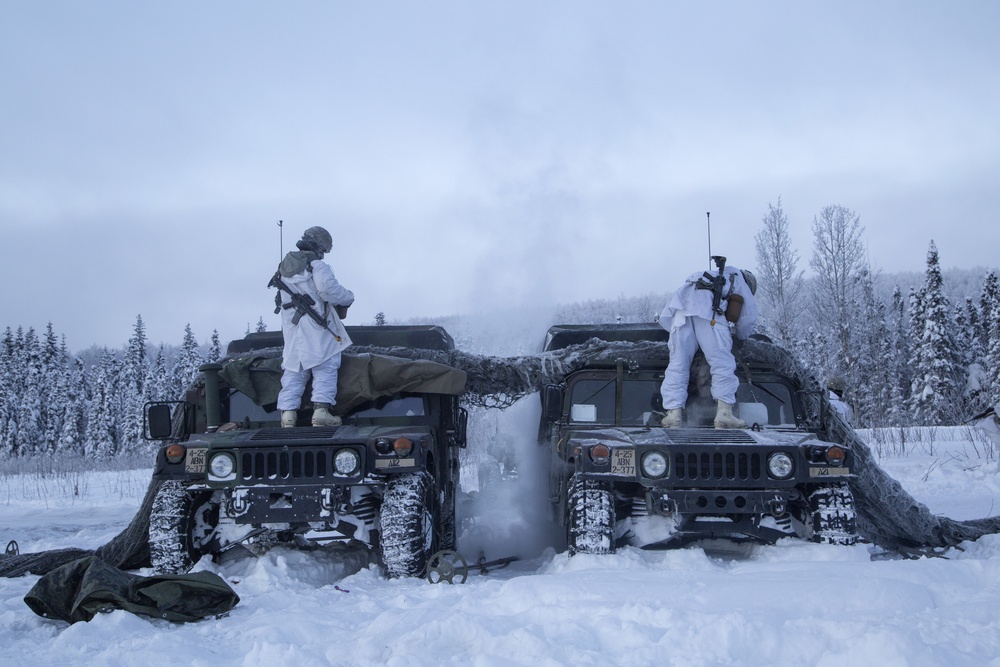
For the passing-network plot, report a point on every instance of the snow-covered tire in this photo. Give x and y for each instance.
(448, 538)
(171, 523)
(406, 525)
(590, 517)
(834, 520)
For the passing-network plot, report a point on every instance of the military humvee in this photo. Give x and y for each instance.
(387, 478)
(618, 477)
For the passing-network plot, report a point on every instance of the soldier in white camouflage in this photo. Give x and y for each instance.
(313, 345)
(707, 311)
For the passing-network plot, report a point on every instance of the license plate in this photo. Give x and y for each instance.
(623, 462)
(195, 460)
(828, 472)
(395, 463)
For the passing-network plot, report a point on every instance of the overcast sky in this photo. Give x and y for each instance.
(471, 155)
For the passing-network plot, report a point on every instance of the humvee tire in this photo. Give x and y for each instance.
(172, 523)
(832, 514)
(407, 525)
(590, 526)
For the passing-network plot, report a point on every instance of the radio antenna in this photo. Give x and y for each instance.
(281, 240)
(708, 220)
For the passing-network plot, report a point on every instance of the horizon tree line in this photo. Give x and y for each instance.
(917, 360)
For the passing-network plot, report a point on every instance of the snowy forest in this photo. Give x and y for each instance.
(905, 350)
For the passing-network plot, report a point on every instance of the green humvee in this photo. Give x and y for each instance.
(618, 477)
(387, 478)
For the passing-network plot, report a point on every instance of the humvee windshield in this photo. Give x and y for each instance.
(242, 409)
(398, 406)
(593, 401)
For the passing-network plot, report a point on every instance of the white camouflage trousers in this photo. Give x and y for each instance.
(324, 386)
(717, 345)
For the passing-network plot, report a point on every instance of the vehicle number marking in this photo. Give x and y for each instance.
(828, 472)
(395, 463)
(623, 462)
(195, 460)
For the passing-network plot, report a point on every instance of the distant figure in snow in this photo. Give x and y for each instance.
(706, 311)
(313, 341)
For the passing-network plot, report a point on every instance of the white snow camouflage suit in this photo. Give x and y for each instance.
(309, 348)
(688, 318)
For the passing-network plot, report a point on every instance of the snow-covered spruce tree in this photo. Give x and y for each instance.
(990, 310)
(900, 376)
(915, 314)
(159, 385)
(838, 259)
(989, 301)
(30, 428)
(52, 390)
(74, 420)
(132, 390)
(814, 347)
(186, 369)
(970, 357)
(870, 394)
(215, 349)
(779, 280)
(101, 441)
(8, 423)
(993, 360)
(936, 373)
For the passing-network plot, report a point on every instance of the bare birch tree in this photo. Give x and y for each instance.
(838, 260)
(780, 280)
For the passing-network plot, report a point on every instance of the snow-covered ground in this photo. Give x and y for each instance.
(791, 604)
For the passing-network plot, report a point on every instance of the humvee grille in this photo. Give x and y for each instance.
(301, 463)
(717, 466)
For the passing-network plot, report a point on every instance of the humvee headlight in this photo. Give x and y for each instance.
(221, 466)
(835, 456)
(174, 453)
(600, 454)
(383, 446)
(654, 464)
(780, 465)
(403, 447)
(346, 461)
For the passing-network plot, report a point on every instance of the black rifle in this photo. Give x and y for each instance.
(714, 283)
(302, 303)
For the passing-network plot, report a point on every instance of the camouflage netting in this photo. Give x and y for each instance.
(888, 516)
(128, 550)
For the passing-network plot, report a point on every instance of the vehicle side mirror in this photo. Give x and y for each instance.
(158, 426)
(552, 402)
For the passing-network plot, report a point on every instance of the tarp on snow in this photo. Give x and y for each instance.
(80, 590)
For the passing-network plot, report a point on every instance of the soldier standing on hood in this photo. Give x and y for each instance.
(310, 348)
(694, 320)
